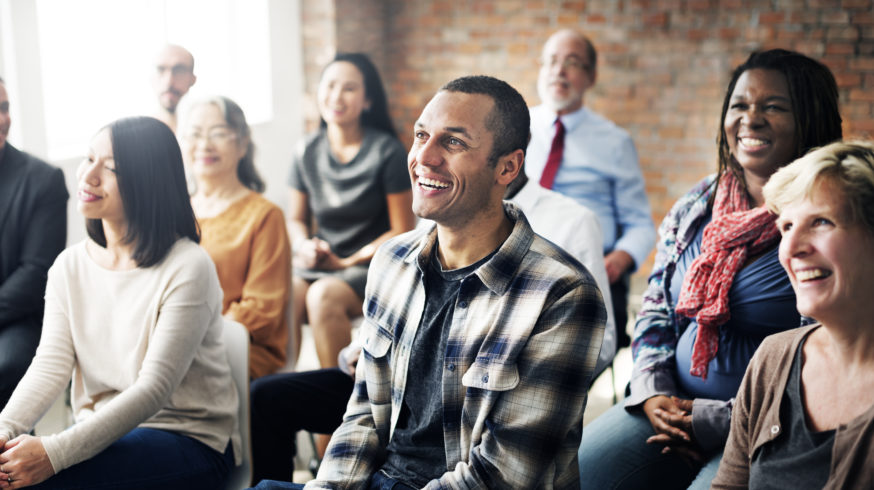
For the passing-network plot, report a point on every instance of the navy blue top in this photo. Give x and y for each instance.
(761, 302)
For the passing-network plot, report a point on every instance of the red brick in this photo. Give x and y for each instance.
(804, 17)
(771, 17)
(862, 18)
(861, 95)
(848, 79)
(861, 127)
(697, 34)
(839, 48)
(659, 19)
(700, 5)
(840, 17)
(667, 133)
(842, 33)
(856, 4)
(862, 64)
(728, 33)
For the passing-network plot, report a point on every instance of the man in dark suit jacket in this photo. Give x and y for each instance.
(33, 231)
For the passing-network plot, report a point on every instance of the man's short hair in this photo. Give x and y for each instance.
(508, 121)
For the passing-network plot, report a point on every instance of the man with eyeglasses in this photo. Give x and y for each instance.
(173, 76)
(583, 155)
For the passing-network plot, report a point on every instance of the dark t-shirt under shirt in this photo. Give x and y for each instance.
(416, 452)
(799, 458)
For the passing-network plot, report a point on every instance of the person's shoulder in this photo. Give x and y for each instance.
(600, 123)
(72, 256)
(703, 185)
(385, 143)
(36, 168)
(539, 111)
(779, 348)
(541, 259)
(781, 340)
(266, 214)
(547, 256)
(185, 254)
(401, 246)
(568, 206)
(313, 142)
(699, 192)
(258, 204)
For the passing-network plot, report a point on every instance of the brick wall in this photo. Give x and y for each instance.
(662, 69)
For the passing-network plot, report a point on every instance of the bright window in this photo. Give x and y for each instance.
(97, 57)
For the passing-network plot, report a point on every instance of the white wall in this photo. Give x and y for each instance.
(275, 139)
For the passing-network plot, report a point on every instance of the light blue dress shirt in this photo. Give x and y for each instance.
(599, 169)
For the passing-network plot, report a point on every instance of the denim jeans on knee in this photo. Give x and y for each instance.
(614, 455)
(148, 458)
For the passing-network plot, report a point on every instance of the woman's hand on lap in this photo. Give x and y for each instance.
(308, 253)
(25, 461)
(671, 418)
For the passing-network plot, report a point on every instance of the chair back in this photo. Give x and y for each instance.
(236, 339)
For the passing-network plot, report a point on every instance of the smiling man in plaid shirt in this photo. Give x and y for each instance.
(480, 337)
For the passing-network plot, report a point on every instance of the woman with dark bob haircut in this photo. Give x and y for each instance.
(133, 317)
(717, 288)
(349, 191)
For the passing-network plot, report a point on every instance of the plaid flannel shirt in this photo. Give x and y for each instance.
(524, 338)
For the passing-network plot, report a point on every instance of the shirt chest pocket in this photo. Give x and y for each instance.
(376, 341)
(491, 376)
(376, 367)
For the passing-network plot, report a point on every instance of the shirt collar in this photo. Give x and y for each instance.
(570, 121)
(498, 272)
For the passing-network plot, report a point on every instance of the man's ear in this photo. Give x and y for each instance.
(509, 166)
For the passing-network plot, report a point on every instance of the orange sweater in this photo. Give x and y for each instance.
(249, 245)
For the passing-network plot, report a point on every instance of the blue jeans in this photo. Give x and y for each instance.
(148, 458)
(614, 455)
(379, 481)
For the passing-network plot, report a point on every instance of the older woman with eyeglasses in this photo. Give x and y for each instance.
(805, 410)
(243, 232)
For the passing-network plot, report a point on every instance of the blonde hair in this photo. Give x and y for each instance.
(847, 167)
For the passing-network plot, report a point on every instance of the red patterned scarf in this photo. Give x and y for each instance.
(734, 232)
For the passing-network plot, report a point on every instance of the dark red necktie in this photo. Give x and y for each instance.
(554, 160)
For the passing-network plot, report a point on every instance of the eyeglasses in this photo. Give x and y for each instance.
(214, 136)
(572, 64)
(175, 70)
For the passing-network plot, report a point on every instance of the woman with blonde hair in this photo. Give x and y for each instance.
(805, 410)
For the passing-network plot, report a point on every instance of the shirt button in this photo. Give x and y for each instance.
(451, 367)
(486, 378)
(462, 304)
(775, 429)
